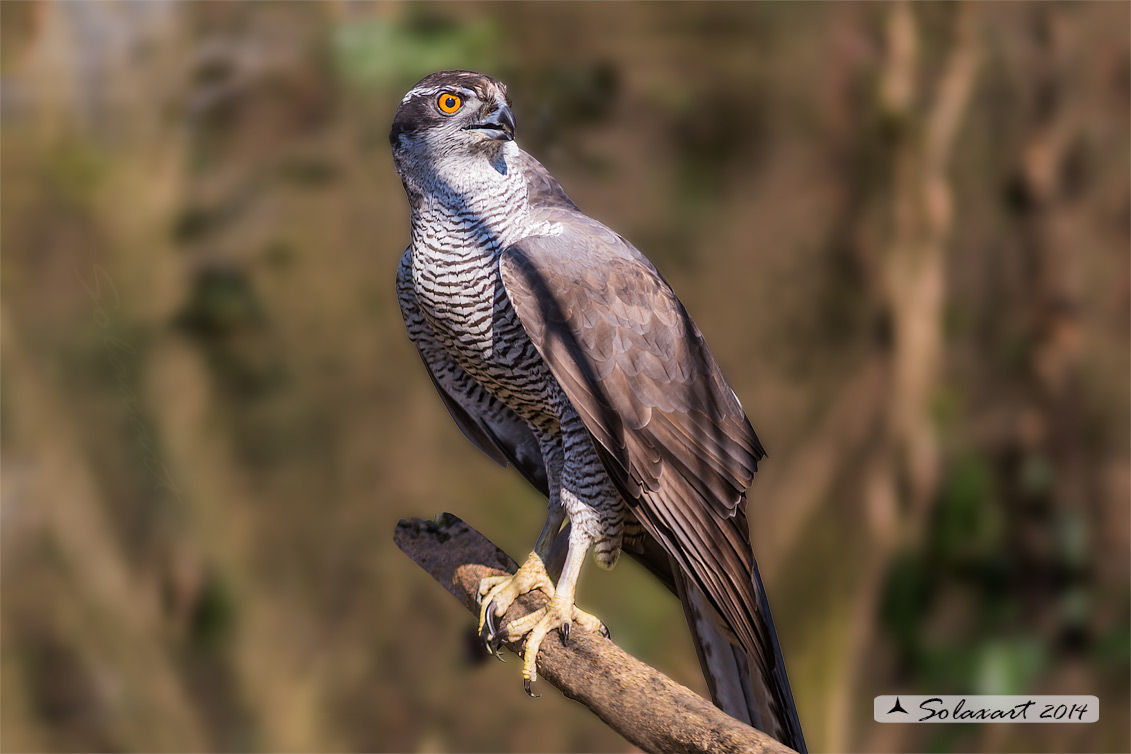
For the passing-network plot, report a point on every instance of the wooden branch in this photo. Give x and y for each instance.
(643, 705)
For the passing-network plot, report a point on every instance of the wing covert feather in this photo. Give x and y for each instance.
(669, 429)
(631, 360)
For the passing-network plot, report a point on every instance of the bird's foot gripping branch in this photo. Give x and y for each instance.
(498, 593)
(643, 705)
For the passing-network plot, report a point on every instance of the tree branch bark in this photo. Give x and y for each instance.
(643, 705)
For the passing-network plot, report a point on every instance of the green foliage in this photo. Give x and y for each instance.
(963, 557)
(968, 523)
(1112, 651)
(386, 50)
(1008, 666)
(222, 302)
(906, 597)
(75, 169)
(1035, 477)
(213, 615)
(226, 316)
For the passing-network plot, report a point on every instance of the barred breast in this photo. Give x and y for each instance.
(455, 275)
(454, 269)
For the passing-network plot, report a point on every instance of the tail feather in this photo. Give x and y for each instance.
(752, 689)
(724, 663)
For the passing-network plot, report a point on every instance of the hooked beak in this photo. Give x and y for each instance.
(499, 125)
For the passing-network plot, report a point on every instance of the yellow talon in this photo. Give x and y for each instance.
(497, 593)
(558, 614)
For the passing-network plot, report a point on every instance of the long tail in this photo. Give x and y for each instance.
(753, 689)
(750, 687)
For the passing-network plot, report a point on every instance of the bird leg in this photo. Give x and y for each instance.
(496, 593)
(559, 613)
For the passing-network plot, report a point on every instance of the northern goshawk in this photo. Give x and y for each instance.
(557, 347)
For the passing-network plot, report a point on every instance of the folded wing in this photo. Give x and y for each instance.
(668, 428)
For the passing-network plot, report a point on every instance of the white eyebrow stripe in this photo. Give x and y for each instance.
(433, 90)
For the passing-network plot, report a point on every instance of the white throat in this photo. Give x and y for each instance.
(470, 204)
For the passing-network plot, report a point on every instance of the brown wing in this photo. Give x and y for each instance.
(669, 429)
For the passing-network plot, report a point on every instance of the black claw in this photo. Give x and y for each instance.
(489, 623)
(526, 685)
(606, 632)
(564, 629)
(494, 641)
(478, 598)
(487, 635)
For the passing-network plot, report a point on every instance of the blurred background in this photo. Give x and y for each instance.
(904, 230)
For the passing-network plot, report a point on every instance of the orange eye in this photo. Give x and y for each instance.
(449, 103)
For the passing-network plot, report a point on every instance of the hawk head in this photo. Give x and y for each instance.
(452, 111)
